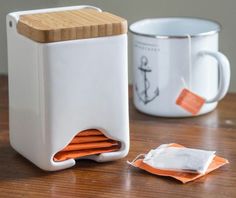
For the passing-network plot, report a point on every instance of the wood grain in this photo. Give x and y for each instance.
(70, 25)
(214, 131)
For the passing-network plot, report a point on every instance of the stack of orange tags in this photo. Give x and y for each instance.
(179, 162)
(89, 142)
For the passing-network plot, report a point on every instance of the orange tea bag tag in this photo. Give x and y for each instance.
(190, 101)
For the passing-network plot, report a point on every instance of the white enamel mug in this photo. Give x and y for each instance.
(170, 54)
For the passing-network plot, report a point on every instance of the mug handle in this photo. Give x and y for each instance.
(224, 74)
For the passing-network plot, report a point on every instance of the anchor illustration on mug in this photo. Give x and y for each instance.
(143, 95)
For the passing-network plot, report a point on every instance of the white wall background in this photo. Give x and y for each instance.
(7, 6)
(223, 11)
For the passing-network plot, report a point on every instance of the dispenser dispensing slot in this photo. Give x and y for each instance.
(85, 143)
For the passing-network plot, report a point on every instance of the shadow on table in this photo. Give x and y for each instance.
(13, 166)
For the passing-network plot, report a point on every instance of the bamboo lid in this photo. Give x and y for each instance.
(70, 25)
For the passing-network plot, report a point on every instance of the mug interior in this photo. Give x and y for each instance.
(175, 27)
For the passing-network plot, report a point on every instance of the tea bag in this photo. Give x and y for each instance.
(179, 159)
(89, 142)
(183, 165)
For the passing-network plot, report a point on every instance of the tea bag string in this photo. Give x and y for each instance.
(142, 155)
(189, 84)
(189, 61)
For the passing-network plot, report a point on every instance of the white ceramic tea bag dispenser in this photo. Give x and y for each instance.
(68, 87)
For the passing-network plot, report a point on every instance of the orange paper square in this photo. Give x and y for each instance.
(190, 101)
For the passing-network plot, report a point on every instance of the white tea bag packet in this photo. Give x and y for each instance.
(179, 159)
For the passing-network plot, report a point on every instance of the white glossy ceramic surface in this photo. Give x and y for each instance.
(58, 89)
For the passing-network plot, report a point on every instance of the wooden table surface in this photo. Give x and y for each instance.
(214, 131)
